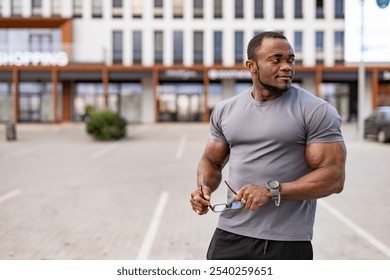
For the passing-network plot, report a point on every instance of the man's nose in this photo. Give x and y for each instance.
(287, 66)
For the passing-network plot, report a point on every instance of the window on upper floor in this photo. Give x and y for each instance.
(40, 42)
(198, 47)
(218, 47)
(158, 47)
(56, 8)
(239, 8)
(137, 8)
(319, 47)
(117, 47)
(117, 8)
(36, 8)
(158, 8)
(339, 9)
(31, 40)
(298, 9)
(239, 47)
(178, 47)
(198, 8)
(178, 9)
(339, 47)
(320, 9)
(77, 8)
(279, 9)
(137, 47)
(16, 8)
(97, 8)
(218, 9)
(259, 8)
(298, 46)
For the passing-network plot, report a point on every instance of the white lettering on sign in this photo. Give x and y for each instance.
(229, 74)
(386, 75)
(184, 74)
(33, 58)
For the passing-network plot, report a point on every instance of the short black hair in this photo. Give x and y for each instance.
(257, 40)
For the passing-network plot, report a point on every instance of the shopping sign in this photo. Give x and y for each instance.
(33, 58)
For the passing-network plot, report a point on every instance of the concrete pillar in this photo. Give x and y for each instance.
(147, 99)
(227, 88)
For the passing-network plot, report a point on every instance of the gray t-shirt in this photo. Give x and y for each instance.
(267, 141)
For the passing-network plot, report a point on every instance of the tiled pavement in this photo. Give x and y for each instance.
(66, 196)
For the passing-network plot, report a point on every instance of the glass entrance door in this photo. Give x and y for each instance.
(36, 102)
(29, 107)
(188, 108)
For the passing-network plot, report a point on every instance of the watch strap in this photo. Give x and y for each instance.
(275, 192)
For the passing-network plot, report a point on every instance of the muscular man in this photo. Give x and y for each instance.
(285, 150)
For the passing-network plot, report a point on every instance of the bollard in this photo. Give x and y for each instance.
(11, 132)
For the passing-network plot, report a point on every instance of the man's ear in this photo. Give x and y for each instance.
(251, 65)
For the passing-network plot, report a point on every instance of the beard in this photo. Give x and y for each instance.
(269, 87)
(272, 88)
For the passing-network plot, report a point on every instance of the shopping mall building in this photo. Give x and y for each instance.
(165, 60)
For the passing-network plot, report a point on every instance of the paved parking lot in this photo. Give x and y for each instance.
(66, 196)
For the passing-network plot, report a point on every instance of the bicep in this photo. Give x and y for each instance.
(319, 155)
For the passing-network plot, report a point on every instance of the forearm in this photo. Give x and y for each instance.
(209, 174)
(319, 183)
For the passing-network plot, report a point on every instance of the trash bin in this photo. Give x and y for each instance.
(11, 132)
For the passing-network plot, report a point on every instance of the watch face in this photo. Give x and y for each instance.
(273, 184)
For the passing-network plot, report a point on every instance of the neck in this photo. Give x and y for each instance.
(265, 94)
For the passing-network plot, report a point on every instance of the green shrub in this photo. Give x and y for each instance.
(106, 125)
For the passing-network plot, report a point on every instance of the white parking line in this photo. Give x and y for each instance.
(358, 230)
(10, 195)
(146, 246)
(23, 151)
(180, 148)
(106, 149)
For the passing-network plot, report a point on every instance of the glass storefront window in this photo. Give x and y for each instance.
(215, 95)
(180, 102)
(240, 87)
(36, 102)
(87, 94)
(337, 94)
(123, 98)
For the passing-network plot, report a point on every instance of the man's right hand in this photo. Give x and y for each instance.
(200, 200)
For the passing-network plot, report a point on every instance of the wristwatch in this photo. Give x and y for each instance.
(274, 187)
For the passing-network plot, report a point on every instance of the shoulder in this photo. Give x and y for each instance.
(304, 96)
(309, 103)
(242, 96)
(226, 105)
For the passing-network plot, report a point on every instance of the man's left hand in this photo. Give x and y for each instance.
(253, 196)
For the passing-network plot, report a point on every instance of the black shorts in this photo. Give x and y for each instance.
(229, 246)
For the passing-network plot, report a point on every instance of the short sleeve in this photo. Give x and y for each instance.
(216, 132)
(324, 125)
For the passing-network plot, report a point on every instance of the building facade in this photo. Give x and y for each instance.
(164, 60)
